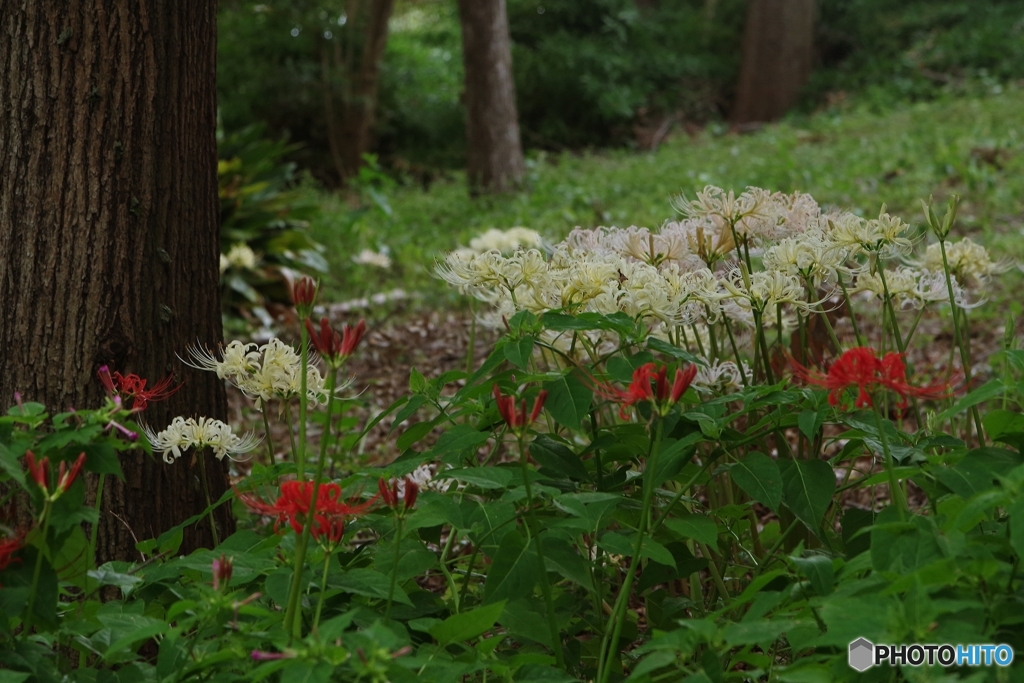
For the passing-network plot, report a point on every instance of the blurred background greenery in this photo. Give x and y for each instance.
(622, 104)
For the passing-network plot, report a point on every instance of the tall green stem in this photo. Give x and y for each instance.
(545, 585)
(849, 306)
(35, 574)
(266, 430)
(206, 493)
(300, 457)
(292, 624)
(323, 591)
(895, 492)
(95, 527)
(965, 358)
(613, 631)
(394, 567)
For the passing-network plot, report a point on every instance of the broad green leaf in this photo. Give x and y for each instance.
(301, 671)
(673, 457)
(1016, 514)
(698, 527)
(662, 346)
(367, 582)
(561, 557)
(818, 570)
(483, 477)
(807, 487)
(514, 570)
(809, 421)
(518, 351)
(417, 382)
(467, 625)
(568, 400)
(760, 478)
(618, 322)
(755, 632)
(457, 439)
(903, 547)
(983, 393)
(558, 457)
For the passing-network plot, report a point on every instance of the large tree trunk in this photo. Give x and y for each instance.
(108, 227)
(778, 45)
(495, 157)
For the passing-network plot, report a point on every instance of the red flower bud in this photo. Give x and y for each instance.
(40, 471)
(683, 380)
(65, 480)
(303, 292)
(222, 568)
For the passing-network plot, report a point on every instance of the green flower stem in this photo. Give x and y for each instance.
(716, 575)
(895, 492)
(735, 350)
(849, 306)
(394, 567)
(300, 458)
(35, 574)
(765, 357)
(452, 588)
(266, 430)
(615, 622)
(545, 585)
(292, 624)
(291, 438)
(965, 358)
(471, 347)
(206, 493)
(95, 527)
(323, 590)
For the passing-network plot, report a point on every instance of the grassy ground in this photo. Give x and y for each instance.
(851, 159)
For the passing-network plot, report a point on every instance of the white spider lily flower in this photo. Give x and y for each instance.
(505, 240)
(913, 288)
(968, 261)
(185, 433)
(369, 257)
(883, 236)
(763, 290)
(808, 256)
(719, 377)
(239, 256)
(238, 360)
(751, 215)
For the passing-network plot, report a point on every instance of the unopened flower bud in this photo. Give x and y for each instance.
(222, 568)
(303, 293)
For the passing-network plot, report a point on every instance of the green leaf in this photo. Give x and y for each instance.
(983, 393)
(558, 457)
(568, 400)
(818, 570)
(760, 478)
(467, 625)
(1016, 514)
(698, 527)
(457, 439)
(414, 432)
(1005, 426)
(368, 582)
(518, 351)
(483, 477)
(809, 421)
(662, 346)
(755, 632)
(514, 570)
(807, 487)
(672, 459)
(617, 322)
(417, 382)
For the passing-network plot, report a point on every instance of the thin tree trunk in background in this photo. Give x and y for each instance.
(108, 228)
(361, 105)
(495, 155)
(777, 50)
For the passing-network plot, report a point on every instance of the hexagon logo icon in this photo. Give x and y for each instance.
(862, 654)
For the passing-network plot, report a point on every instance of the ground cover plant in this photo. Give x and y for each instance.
(708, 452)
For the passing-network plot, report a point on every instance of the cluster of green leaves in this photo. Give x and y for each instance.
(262, 208)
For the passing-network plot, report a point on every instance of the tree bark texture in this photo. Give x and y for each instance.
(778, 44)
(108, 228)
(495, 154)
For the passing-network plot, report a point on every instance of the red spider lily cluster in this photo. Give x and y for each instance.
(335, 347)
(40, 471)
(132, 387)
(862, 369)
(401, 495)
(650, 385)
(295, 502)
(518, 419)
(8, 547)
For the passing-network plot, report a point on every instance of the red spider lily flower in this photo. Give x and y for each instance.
(134, 387)
(9, 546)
(294, 503)
(40, 472)
(405, 490)
(303, 292)
(518, 420)
(862, 369)
(222, 568)
(335, 348)
(650, 384)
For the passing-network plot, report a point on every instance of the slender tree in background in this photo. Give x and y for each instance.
(778, 46)
(495, 154)
(350, 82)
(108, 227)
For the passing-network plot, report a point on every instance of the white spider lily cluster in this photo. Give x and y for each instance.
(239, 256)
(742, 260)
(185, 433)
(505, 240)
(273, 370)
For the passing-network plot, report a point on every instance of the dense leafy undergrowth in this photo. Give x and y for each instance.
(656, 475)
